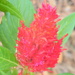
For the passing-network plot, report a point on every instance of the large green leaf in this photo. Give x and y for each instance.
(8, 31)
(10, 23)
(26, 9)
(66, 27)
(7, 59)
(6, 6)
(65, 74)
(14, 72)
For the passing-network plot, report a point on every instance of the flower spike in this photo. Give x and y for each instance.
(38, 46)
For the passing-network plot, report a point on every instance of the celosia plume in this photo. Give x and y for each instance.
(38, 46)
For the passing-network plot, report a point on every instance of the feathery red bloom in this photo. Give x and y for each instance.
(38, 46)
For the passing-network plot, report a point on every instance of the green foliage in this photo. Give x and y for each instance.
(66, 27)
(6, 6)
(14, 72)
(10, 23)
(9, 72)
(7, 59)
(26, 8)
(8, 31)
(65, 74)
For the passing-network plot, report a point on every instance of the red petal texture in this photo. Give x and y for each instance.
(38, 46)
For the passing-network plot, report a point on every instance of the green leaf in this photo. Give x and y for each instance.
(2, 73)
(5, 73)
(66, 27)
(65, 74)
(10, 23)
(6, 6)
(12, 71)
(7, 59)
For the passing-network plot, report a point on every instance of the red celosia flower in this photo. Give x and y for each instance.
(38, 46)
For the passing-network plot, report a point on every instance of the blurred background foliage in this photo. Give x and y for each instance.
(67, 58)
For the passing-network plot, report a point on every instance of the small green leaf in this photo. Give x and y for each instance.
(5, 73)
(26, 8)
(6, 6)
(66, 27)
(7, 59)
(65, 74)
